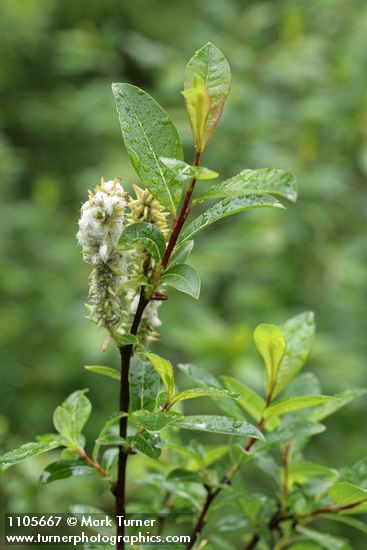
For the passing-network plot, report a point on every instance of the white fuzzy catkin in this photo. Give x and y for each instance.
(102, 222)
(100, 227)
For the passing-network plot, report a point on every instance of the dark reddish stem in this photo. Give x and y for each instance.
(184, 212)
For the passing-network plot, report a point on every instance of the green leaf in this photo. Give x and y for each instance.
(215, 454)
(292, 429)
(298, 333)
(356, 473)
(146, 443)
(202, 392)
(181, 253)
(63, 469)
(207, 70)
(149, 134)
(345, 494)
(111, 440)
(104, 371)
(305, 383)
(165, 371)
(30, 449)
(198, 105)
(249, 400)
(199, 376)
(111, 421)
(352, 522)
(331, 407)
(270, 344)
(328, 542)
(180, 475)
(202, 378)
(70, 417)
(144, 384)
(224, 208)
(184, 278)
(270, 181)
(305, 546)
(183, 172)
(294, 404)
(154, 421)
(145, 235)
(304, 471)
(220, 425)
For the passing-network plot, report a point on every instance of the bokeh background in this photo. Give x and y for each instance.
(298, 101)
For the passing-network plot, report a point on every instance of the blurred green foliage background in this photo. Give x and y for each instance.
(298, 101)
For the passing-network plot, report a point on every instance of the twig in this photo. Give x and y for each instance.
(83, 455)
(184, 212)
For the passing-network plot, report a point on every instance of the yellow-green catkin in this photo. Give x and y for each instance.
(145, 208)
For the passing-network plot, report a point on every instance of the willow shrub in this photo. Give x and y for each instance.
(138, 248)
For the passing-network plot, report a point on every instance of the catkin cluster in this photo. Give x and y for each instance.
(117, 276)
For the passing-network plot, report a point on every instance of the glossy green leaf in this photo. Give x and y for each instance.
(328, 542)
(345, 494)
(208, 69)
(203, 378)
(192, 393)
(149, 134)
(219, 424)
(224, 208)
(63, 469)
(294, 404)
(249, 400)
(165, 371)
(342, 399)
(111, 421)
(104, 371)
(154, 421)
(270, 181)
(144, 384)
(30, 449)
(298, 333)
(181, 253)
(145, 235)
(70, 417)
(146, 443)
(184, 172)
(270, 344)
(184, 278)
